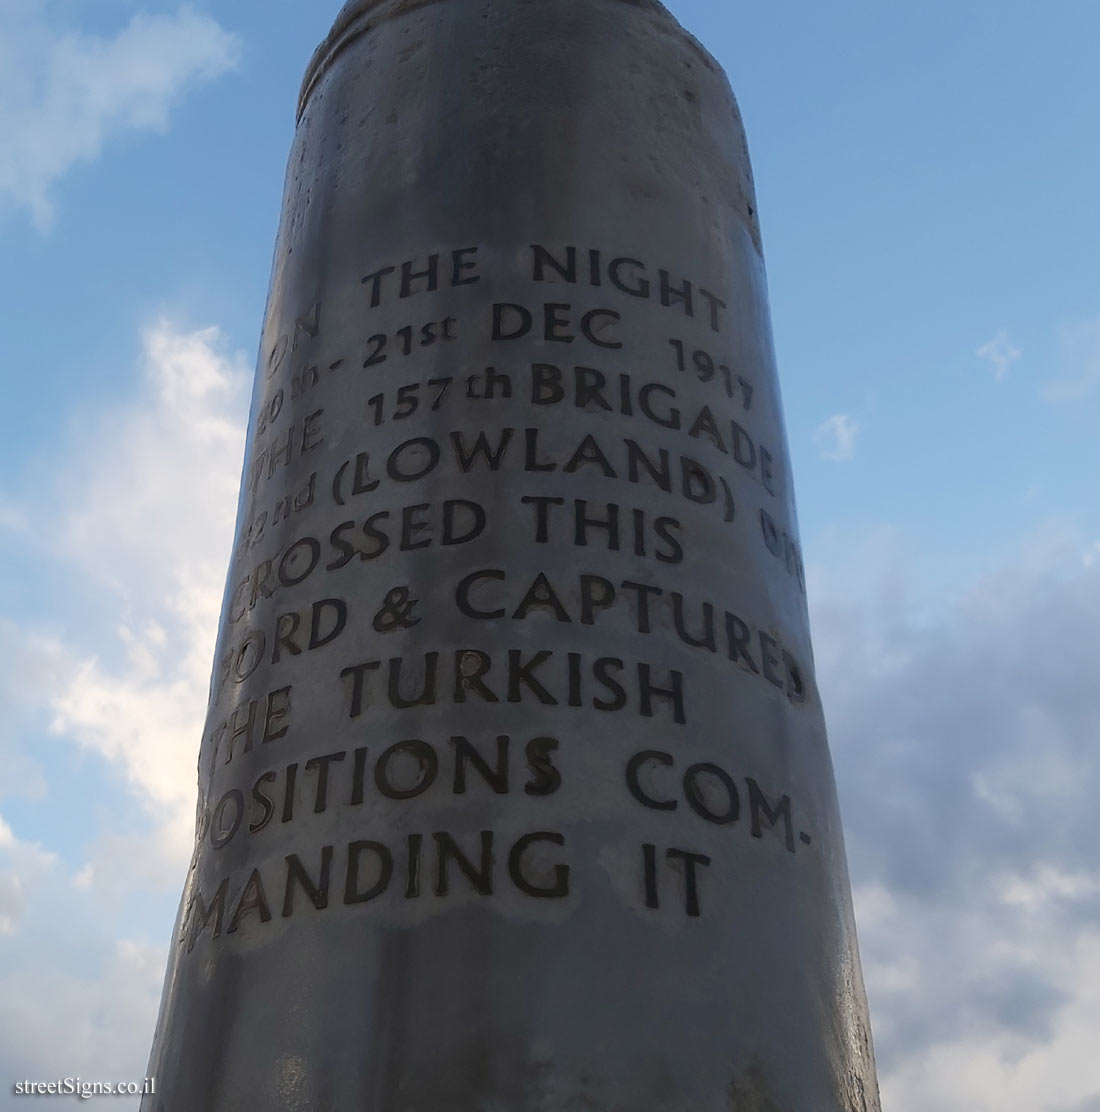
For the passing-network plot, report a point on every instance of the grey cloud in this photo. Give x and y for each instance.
(11, 903)
(65, 94)
(968, 771)
(1021, 1003)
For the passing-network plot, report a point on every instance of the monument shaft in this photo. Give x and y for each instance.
(514, 791)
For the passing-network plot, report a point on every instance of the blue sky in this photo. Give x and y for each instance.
(927, 176)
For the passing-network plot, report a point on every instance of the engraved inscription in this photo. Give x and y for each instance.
(554, 417)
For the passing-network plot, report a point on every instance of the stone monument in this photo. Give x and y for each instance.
(514, 793)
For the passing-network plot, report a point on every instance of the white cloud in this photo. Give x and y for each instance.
(153, 524)
(147, 531)
(964, 739)
(836, 438)
(1000, 353)
(20, 865)
(77, 1000)
(65, 94)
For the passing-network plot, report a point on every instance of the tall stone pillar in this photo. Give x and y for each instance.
(515, 791)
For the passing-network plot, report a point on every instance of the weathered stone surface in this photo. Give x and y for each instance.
(515, 791)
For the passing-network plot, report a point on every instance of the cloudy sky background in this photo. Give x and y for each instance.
(928, 176)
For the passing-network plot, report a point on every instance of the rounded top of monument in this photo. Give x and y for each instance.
(359, 16)
(353, 9)
(352, 21)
